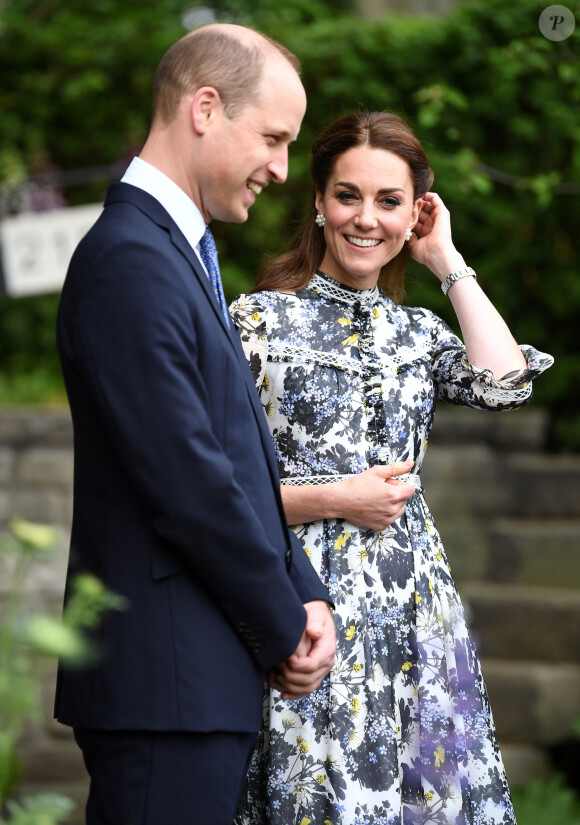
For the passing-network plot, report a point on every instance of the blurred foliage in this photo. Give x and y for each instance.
(546, 802)
(28, 639)
(494, 102)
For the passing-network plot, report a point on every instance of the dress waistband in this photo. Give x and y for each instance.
(298, 481)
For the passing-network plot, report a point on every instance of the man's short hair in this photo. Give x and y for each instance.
(211, 56)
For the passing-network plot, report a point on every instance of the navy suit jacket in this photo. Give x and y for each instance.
(176, 492)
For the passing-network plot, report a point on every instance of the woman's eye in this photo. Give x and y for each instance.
(390, 201)
(346, 197)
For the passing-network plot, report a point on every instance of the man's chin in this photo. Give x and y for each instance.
(239, 216)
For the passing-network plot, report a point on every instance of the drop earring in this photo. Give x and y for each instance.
(320, 220)
(408, 234)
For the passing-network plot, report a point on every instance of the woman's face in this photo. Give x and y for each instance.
(368, 205)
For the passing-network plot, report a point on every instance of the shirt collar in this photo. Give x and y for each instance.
(173, 199)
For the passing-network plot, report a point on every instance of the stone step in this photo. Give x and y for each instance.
(520, 430)
(464, 479)
(543, 486)
(515, 622)
(21, 427)
(531, 702)
(543, 552)
(524, 763)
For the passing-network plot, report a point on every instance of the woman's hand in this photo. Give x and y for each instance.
(434, 245)
(372, 499)
(375, 498)
(488, 341)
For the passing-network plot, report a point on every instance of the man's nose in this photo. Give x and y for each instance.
(278, 165)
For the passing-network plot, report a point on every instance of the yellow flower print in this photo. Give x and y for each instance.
(320, 777)
(308, 552)
(266, 382)
(375, 313)
(341, 540)
(303, 745)
(407, 666)
(357, 667)
(350, 340)
(355, 705)
(429, 796)
(305, 821)
(417, 597)
(439, 757)
(349, 635)
(255, 316)
(431, 586)
(344, 322)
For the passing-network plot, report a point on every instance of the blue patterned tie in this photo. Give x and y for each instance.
(209, 257)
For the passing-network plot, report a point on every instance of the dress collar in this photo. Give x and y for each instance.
(329, 288)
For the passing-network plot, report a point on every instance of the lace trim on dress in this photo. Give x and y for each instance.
(279, 351)
(299, 481)
(329, 288)
(288, 352)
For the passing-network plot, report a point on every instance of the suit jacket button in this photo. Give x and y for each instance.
(288, 558)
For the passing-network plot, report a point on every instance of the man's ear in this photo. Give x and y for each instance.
(206, 106)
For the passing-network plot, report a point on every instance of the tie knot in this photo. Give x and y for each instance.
(208, 251)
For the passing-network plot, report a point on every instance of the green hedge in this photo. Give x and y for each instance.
(494, 102)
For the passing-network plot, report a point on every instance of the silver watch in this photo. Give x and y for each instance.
(456, 276)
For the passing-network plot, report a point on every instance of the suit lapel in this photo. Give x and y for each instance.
(184, 247)
(154, 210)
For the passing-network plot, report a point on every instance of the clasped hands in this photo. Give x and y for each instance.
(314, 657)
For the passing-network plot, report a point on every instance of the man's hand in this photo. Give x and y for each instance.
(313, 658)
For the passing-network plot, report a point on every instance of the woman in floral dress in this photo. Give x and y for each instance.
(400, 733)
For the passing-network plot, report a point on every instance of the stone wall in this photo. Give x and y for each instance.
(509, 516)
(36, 470)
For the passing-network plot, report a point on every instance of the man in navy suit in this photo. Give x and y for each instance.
(176, 497)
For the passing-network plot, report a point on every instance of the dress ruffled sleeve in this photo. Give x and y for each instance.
(248, 317)
(460, 382)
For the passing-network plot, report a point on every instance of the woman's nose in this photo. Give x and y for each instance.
(366, 217)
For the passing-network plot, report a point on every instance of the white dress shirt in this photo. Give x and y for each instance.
(171, 197)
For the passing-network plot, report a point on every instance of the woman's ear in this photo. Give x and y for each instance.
(318, 200)
(417, 206)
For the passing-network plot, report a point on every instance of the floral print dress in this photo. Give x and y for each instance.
(400, 732)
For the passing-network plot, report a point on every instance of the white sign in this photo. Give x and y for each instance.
(36, 247)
